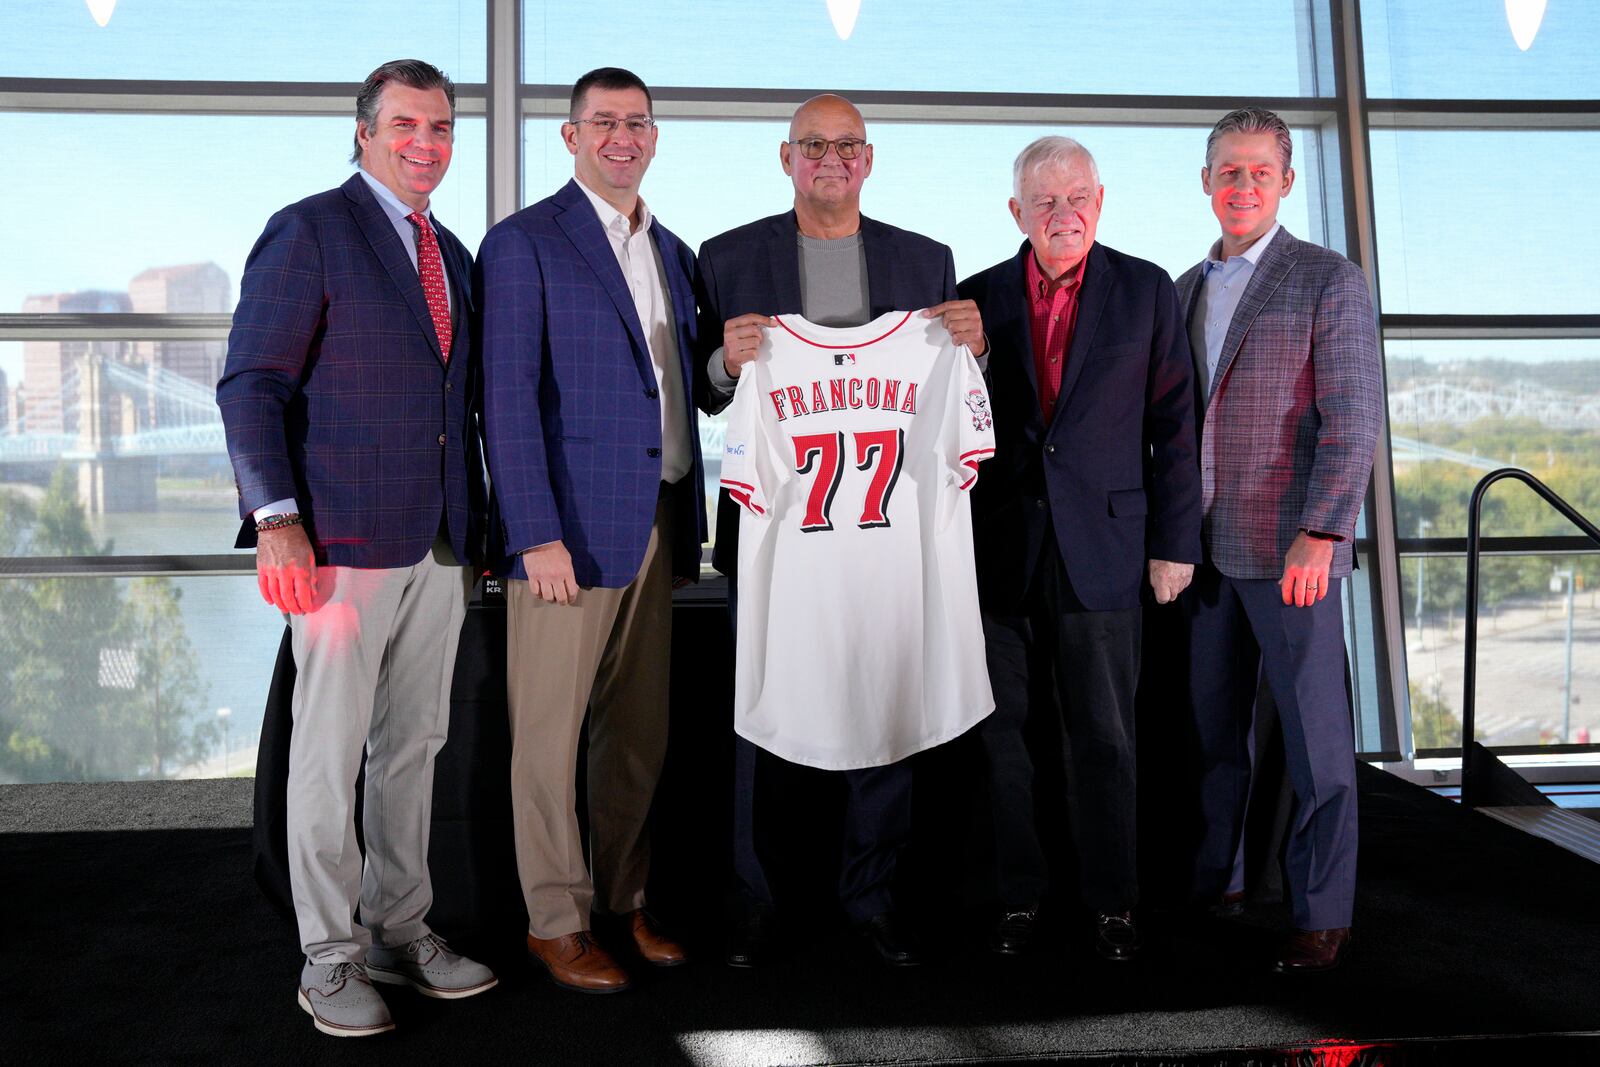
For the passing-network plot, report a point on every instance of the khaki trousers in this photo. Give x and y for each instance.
(609, 653)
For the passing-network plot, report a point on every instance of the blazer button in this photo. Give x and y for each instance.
(441, 439)
(652, 452)
(1039, 504)
(651, 393)
(449, 387)
(1049, 450)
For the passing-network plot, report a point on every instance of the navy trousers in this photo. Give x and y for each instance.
(877, 824)
(1239, 631)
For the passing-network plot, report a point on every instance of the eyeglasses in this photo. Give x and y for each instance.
(605, 124)
(817, 147)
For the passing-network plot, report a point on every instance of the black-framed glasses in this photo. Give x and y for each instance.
(817, 147)
(638, 125)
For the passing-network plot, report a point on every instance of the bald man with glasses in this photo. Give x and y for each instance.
(826, 261)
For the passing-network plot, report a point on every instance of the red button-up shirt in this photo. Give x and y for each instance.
(1053, 311)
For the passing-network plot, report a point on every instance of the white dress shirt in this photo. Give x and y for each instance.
(641, 269)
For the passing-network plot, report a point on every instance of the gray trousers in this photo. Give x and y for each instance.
(374, 661)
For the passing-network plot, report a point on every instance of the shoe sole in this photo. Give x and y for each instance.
(623, 988)
(379, 974)
(334, 1029)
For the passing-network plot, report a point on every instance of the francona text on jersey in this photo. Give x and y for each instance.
(838, 394)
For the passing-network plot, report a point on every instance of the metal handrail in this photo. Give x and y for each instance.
(1474, 552)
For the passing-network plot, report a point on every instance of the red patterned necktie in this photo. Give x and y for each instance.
(431, 268)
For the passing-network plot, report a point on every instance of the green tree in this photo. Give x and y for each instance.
(96, 685)
(1433, 724)
(161, 716)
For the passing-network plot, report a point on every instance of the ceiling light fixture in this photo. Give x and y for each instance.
(1524, 16)
(843, 13)
(101, 10)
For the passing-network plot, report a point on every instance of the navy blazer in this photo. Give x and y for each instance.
(335, 392)
(1115, 471)
(755, 269)
(572, 415)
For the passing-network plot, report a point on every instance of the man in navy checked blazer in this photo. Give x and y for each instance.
(347, 398)
(1289, 392)
(589, 321)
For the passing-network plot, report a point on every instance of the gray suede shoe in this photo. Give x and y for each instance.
(341, 1001)
(428, 966)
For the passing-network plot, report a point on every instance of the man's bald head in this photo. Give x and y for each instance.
(829, 108)
(827, 190)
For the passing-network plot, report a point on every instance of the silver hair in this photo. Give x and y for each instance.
(1049, 152)
(1252, 120)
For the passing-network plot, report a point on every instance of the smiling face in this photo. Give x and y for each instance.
(1059, 211)
(408, 149)
(1246, 180)
(612, 164)
(828, 184)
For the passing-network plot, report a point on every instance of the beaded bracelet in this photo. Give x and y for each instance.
(277, 522)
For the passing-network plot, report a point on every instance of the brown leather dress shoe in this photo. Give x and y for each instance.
(655, 947)
(1311, 951)
(576, 962)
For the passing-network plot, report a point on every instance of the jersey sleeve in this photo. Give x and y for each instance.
(972, 441)
(749, 472)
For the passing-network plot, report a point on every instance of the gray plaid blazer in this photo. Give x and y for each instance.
(1288, 430)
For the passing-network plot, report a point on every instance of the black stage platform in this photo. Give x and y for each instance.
(158, 947)
(1474, 943)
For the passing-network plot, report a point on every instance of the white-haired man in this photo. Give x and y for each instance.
(1093, 492)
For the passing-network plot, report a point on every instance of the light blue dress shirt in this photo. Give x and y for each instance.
(1220, 293)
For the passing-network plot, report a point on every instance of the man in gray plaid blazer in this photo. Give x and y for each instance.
(1289, 397)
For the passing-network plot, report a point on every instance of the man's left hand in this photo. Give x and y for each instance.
(965, 323)
(1305, 570)
(1168, 579)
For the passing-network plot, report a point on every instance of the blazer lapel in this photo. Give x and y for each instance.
(385, 242)
(1091, 303)
(881, 273)
(582, 227)
(1010, 320)
(785, 262)
(1271, 270)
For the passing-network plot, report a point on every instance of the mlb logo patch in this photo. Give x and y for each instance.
(844, 359)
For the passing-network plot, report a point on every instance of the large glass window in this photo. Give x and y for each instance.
(1465, 228)
(1158, 48)
(109, 201)
(281, 41)
(1445, 49)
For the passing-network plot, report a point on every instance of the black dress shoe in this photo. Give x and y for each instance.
(1116, 937)
(1014, 932)
(890, 941)
(1230, 906)
(1313, 951)
(750, 936)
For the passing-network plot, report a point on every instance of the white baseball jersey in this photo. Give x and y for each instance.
(849, 449)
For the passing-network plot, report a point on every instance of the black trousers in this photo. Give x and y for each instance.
(1056, 657)
(877, 824)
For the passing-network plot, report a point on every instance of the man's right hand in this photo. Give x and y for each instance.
(550, 573)
(740, 338)
(286, 569)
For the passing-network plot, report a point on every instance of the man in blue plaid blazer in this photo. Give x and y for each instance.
(348, 399)
(589, 320)
(1289, 394)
